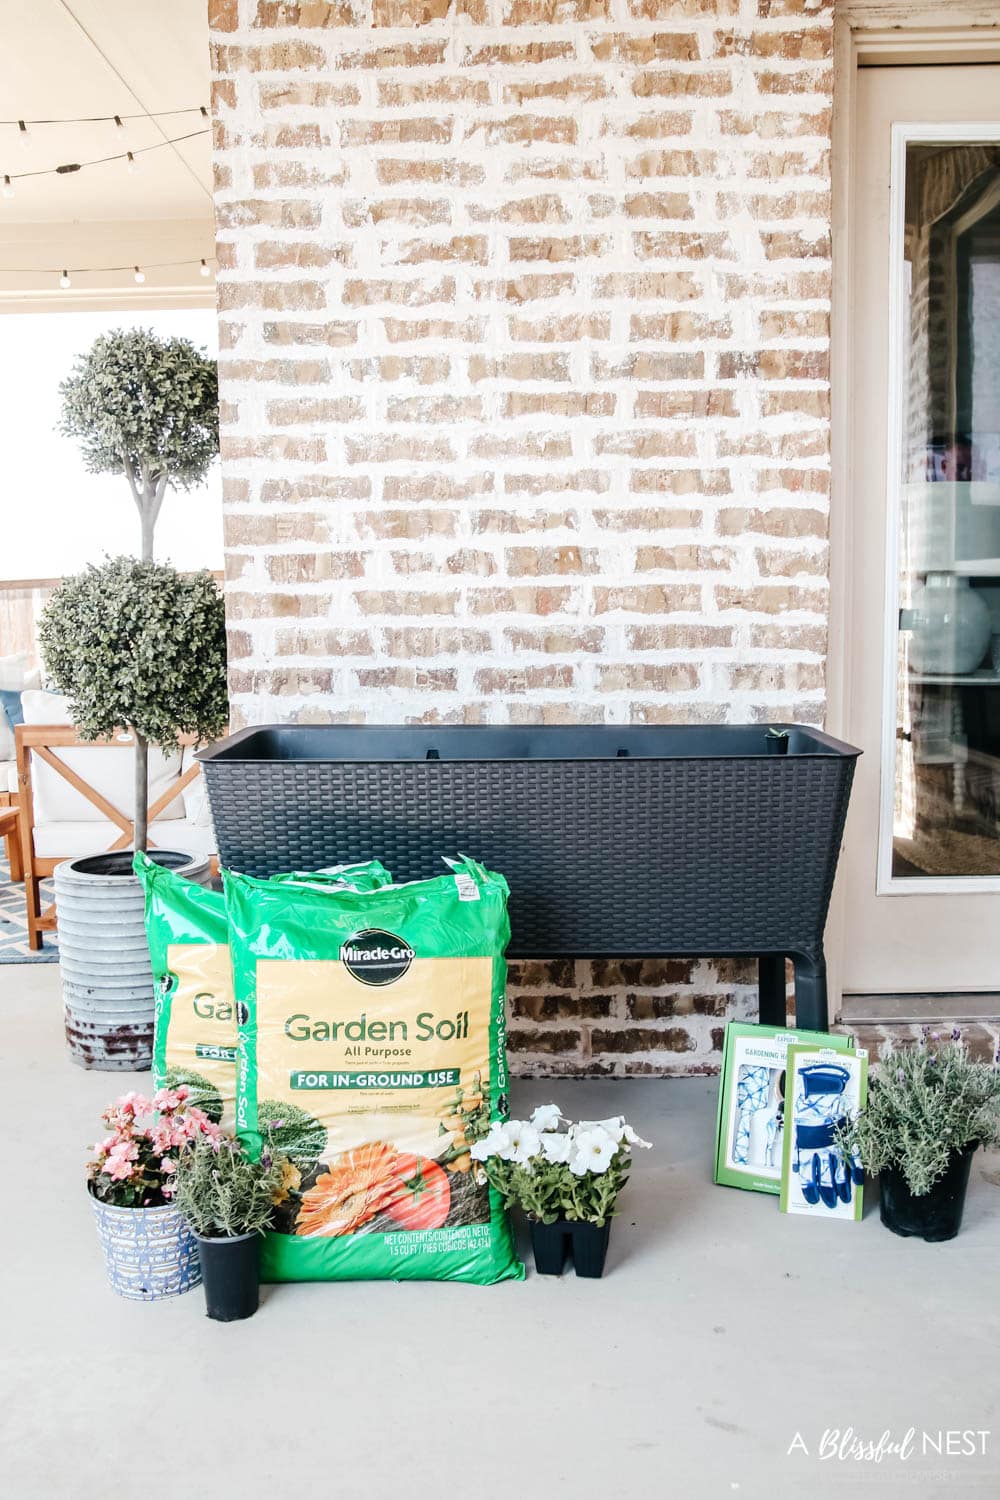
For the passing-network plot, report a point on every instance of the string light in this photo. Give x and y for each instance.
(22, 135)
(119, 122)
(151, 114)
(130, 157)
(138, 272)
(8, 187)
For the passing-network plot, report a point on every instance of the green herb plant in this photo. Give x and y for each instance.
(925, 1102)
(222, 1194)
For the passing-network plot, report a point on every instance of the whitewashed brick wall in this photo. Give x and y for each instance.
(524, 320)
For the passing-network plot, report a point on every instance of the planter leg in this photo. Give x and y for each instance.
(810, 992)
(772, 1003)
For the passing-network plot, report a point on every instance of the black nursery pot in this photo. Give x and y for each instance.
(590, 1247)
(230, 1275)
(934, 1216)
(549, 1246)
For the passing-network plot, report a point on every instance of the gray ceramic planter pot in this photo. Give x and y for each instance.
(107, 981)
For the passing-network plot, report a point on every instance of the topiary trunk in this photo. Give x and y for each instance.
(141, 792)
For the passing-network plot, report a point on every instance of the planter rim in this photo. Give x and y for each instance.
(118, 1208)
(969, 1149)
(568, 1223)
(223, 1239)
(73, 868)
(231, 749)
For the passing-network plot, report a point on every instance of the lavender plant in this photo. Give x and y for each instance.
(924, 1103)
(222, 1193)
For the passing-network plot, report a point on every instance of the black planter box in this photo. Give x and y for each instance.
(635, 841)
(552, 1244)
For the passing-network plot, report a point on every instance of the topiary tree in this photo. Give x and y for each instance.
(148, 406)
(138, 645)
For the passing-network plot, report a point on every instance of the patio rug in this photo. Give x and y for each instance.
(14, 929)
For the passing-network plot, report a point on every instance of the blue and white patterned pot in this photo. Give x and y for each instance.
(149, 1253)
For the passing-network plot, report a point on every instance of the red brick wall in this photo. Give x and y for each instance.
(524, 320)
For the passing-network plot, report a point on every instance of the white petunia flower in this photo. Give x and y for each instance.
(546, 1117)
(495, 1143)
(525, 1140)
(593, 1151)
(633, 1139)
(614, 1127)
(555, 1146)
(504, 1146)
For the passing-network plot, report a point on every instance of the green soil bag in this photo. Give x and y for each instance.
(372, 1051)
(194, 1029)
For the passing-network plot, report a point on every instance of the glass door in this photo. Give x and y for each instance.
(944, 821)
(921, 871)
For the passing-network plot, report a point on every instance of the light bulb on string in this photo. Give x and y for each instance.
(138, 276)
(22, 135)
(204, 269)
(8, 186)
(132, 165)
(64, 280)
(120, 123)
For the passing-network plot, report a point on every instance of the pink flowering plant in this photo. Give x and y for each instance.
(134, 1165)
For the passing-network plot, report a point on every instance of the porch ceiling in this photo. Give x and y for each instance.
(104, 57)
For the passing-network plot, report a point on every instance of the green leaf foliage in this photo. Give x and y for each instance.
(138, 645)
(149, 401)
(221, 1193)
(549, 1191)
(924, 1103)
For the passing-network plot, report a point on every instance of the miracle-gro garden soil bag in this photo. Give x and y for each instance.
(372, 1051)
(194, 1031)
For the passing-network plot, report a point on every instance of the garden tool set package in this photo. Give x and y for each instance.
(783, 1096)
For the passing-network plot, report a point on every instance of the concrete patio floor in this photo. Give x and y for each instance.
(721, 1331)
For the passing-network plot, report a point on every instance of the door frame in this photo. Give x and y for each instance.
(867, 33)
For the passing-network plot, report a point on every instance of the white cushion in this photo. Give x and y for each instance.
(8, 775)
(13, 678)
(107, 769)
(196, 808)
(13, 670)
(74, 839)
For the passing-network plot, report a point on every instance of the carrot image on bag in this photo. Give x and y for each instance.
(372, 1033)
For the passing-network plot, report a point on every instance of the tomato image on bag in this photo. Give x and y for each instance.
(194, 1030)
(372, 1051)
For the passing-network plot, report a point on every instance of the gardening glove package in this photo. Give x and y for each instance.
(372, 1052)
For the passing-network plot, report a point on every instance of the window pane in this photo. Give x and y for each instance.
(947, 785)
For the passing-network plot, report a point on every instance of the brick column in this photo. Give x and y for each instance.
(524, 320)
